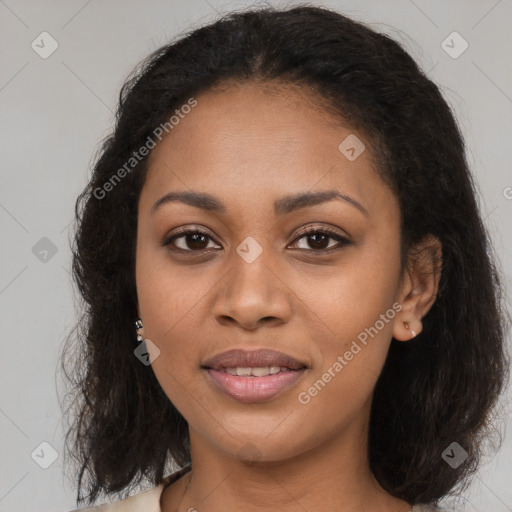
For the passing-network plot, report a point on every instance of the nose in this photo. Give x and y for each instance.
(252, 295)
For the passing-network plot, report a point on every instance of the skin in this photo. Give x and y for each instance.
(249, 146)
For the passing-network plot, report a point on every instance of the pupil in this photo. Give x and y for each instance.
(322, 244)
(195, 237)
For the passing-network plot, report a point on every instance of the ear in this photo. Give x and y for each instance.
(419, 287)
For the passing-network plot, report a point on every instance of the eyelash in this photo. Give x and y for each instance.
(302, 234)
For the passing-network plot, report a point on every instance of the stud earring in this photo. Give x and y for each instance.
(406, 325)
(138, 326)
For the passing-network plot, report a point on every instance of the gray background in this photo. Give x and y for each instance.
(55, 111)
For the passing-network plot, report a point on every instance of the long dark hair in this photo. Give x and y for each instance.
(440, 388)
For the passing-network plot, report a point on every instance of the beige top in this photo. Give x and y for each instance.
(149, 501)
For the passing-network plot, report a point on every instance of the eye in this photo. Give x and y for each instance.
(196, 240)
(190, 240)
(318, 239)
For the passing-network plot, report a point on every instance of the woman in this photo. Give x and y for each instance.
(290, 293)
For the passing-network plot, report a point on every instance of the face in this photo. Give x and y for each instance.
(317, 280)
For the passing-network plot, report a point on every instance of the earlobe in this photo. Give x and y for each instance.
(403, 331)
(407, 326)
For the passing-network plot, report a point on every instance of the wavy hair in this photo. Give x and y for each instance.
(440, 388)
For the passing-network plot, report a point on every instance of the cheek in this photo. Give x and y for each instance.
(351, 299)
(350, 363)
(357, 307)
(169, 295)
(167, 299)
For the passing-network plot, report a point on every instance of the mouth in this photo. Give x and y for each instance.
(260, 360)
(257, 371)
(253, 376)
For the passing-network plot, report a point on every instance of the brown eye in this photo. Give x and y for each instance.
(315, 240)
(318, 239)
(191, 240)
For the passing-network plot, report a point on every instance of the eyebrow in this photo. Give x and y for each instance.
(282, 206)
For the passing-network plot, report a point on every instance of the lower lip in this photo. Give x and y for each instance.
(254, 389)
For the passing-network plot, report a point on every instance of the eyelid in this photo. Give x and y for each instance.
(324, 229)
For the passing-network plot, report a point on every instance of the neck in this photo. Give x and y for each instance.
(321, 478)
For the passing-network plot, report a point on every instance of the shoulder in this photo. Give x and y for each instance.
(145, 501)
(148, 501)
(427, 508)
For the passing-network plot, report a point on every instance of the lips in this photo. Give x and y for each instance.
(253, 376)
(238, 358)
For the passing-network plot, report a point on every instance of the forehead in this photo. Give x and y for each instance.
(252, 139)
